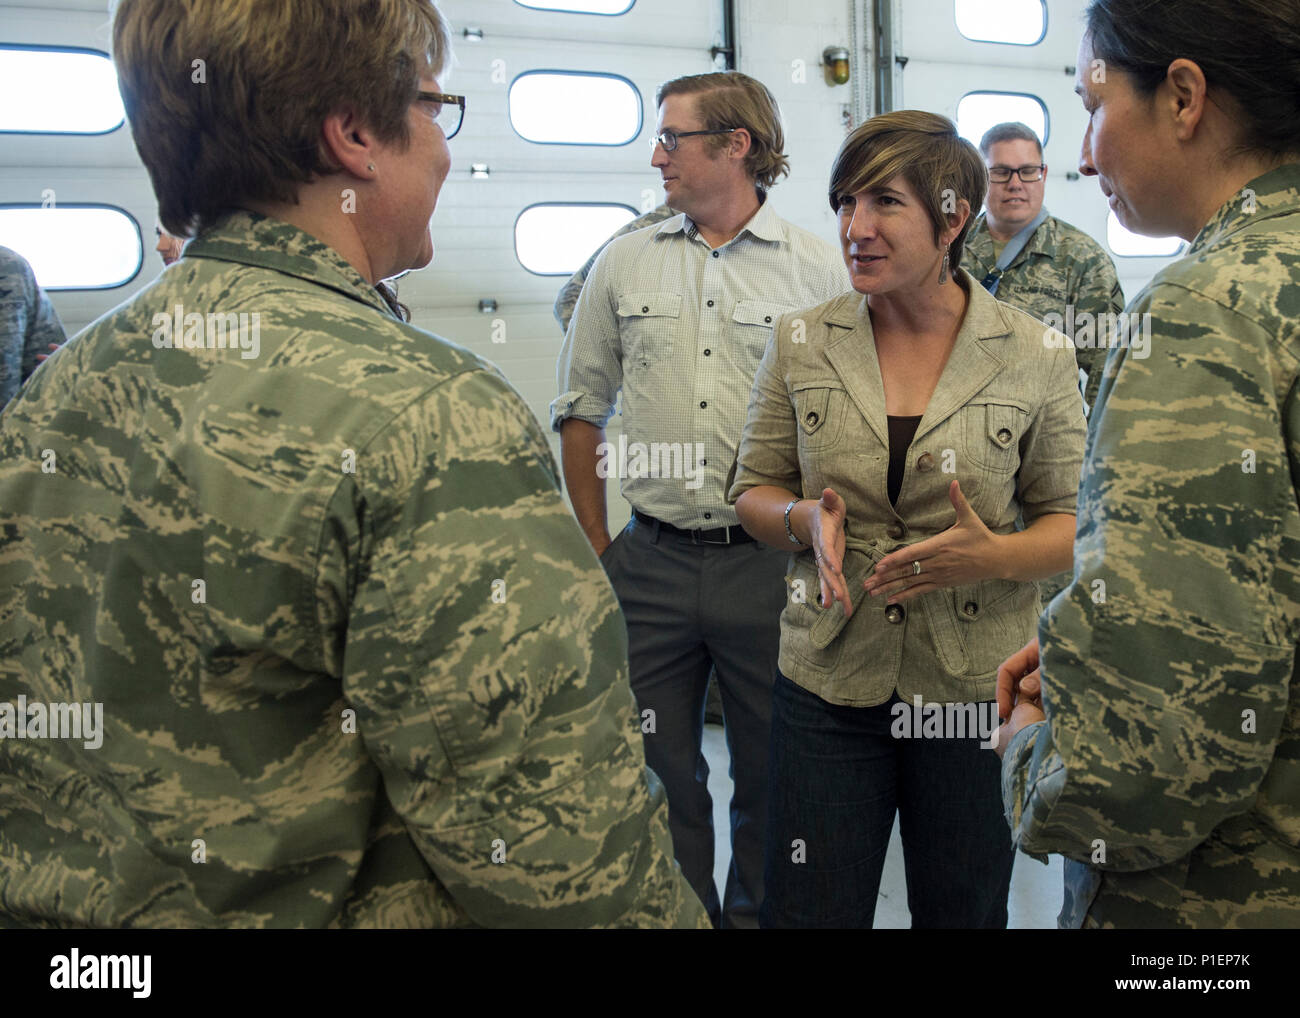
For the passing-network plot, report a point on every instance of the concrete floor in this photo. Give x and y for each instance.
(1035, 896)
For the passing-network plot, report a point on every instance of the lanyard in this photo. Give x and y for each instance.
(1014, 246)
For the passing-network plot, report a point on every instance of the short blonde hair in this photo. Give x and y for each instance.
(731, 99)
(926, 149)
(226, 97)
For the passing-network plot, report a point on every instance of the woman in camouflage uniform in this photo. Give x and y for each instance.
(1154, 735)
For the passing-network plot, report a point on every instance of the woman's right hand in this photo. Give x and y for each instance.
(826, 538)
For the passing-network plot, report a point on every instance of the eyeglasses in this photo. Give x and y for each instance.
(448, 120)
(668, 139)
(1002, 174)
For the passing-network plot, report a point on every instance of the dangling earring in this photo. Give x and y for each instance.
(943, 269)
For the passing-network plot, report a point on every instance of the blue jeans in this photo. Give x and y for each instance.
(836, 776)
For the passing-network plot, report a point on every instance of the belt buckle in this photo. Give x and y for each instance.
(695, 534)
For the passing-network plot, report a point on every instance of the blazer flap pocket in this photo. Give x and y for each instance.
(650, 304)
(1004, 421)
(831, 621)
(811, 401)
(757, 312)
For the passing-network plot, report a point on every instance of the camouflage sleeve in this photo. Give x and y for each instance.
(1096, 291)
(1166, 665)
(43, 329)
(486, 659)
(568, 298)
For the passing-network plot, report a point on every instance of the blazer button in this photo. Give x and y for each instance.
(926, 463)
(894, 613)
(971, 609)
(1004, 435)
(895, 530)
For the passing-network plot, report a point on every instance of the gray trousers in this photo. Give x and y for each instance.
(693, 608)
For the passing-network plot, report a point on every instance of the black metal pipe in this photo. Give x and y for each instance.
(728, 47)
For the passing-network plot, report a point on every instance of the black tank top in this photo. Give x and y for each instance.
(901, 430)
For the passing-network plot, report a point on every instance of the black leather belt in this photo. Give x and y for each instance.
(718, 535)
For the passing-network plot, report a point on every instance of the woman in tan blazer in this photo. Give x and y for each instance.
(896, 434)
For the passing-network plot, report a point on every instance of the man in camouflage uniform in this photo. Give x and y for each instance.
(1060, 267)
(1166, 768)
(29, 326)
(568, 297)
(357, 664)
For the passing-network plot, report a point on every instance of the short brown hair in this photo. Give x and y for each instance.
(1011, 130)
(926, 149)
(731, 99)
(226, 97)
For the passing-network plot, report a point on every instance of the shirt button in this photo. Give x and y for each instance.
(895, 530)
(710, 303)
(971, 609)
(768, 319)
(1004, 436)
(895, 614)
(812, 418)
(708, 516)
(703, 403)
(707, 351)
(925, 463)
(704, 463)
(715, 254)
(645, 309)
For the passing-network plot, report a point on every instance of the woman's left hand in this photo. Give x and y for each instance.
(964, 553)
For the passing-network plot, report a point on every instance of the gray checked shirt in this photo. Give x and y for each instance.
(680, 328)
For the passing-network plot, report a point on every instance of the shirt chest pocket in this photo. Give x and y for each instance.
(994, 427)
(752, 322)
(648, 322)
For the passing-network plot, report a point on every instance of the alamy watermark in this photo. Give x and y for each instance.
(945, 721)
(214, 331)
(681, 460)
(1100, 331)
(25, 720)
(77, 971)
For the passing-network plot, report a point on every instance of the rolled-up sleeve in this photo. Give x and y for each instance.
(769, 447)
(589, 372)
(1051, 451)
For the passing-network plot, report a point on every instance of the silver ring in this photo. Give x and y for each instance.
(916, 568)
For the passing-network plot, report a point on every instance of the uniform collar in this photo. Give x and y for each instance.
(1042, 241)
(1273, 194)
(249, 238)
(764, 224)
